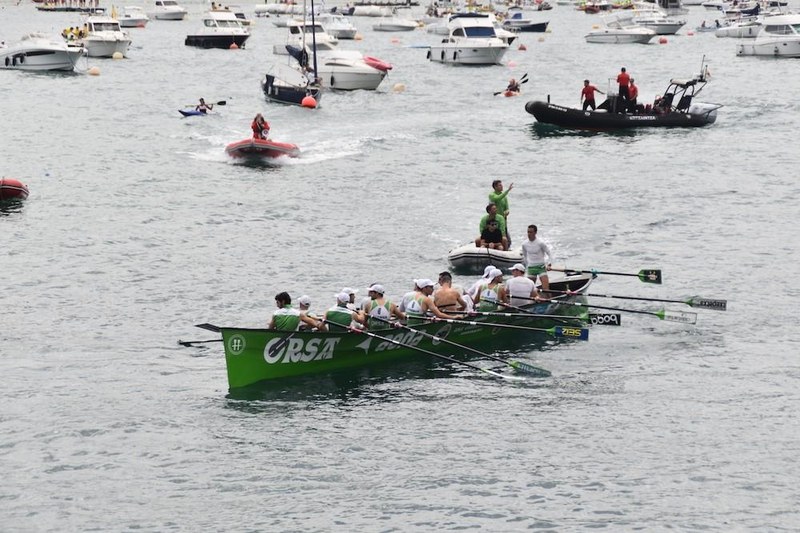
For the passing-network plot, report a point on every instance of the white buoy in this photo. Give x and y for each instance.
(399, 87)
(117, 55)
(94, 71)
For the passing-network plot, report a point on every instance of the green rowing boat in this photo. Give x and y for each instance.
(256, 355)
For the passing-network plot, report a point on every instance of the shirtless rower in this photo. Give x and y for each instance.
(446, 297)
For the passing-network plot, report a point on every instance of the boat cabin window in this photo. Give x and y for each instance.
(479, 31)
(105, 26)
(780, 29)
(168, 3)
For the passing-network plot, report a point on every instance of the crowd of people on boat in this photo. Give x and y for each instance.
(75, 32)
(428, 301)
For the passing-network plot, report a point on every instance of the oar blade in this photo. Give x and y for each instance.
(581, 334)
(682, 317)
(222, 102)
(708, 303)
(209, 327)
(605, 319)
(528, 368)
(650, 276)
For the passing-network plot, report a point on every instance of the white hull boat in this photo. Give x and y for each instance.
(394, 24)
(37, 52)
(474, 259)
(337, 25)
(105, 37)
(300, 34)
(133, 17)
(779, 37)
(471, 40)
(740, 30)
(167, 10)
(347, 70)
(620, 36)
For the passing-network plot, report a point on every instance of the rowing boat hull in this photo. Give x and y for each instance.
(257, 355)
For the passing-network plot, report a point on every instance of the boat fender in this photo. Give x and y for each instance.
(442, 55)
(429, 56)
(333, 82)
(455, 55)
(21, 59)
(7, 61)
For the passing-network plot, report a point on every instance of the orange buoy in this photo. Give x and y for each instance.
(689, 33)
(522, 47)
(233, 46)
(662, 40)
(309, 102)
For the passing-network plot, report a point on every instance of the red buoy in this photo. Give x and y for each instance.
(233, 46)
(12, 188)
(309, 102)
(662, 40)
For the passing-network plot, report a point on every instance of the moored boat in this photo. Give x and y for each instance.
(12, 189)
(38, 52)
(259, 149)
(221, 29)
(779, 36)
(258, 355)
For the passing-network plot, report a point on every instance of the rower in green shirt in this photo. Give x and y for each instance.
(287, 318)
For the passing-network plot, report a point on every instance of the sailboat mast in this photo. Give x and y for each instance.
(313, 38)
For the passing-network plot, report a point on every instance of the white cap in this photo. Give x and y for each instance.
(494, 273)
(518, 266)
(422, 283)
(348, 290)
(488, 270)
(377, 288)
(343, 297)
(304, 300)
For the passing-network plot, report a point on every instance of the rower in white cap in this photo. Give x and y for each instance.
(520, 289)
(340, 316)
(491, 292)
(421, 304)
(380, 307)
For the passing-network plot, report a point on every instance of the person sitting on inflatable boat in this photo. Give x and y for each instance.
(260, 127)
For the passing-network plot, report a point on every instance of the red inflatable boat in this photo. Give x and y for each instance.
(12, 188)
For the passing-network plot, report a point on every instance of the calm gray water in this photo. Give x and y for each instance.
(138, 227)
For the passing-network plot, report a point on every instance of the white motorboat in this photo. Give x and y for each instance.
(471, 258)
(221, 29)
(303, 34)
(37, 51)
(471, 40)
(132, 17)
(741, 29)
(657, 20)
(619, 29)
(265, 10)
(337, 25)
(167, 10)
(395, 24)
(104, 37)
(349, 70)
(779, 36)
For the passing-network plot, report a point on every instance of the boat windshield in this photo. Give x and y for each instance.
(105, 26)
(783, 29)
(479, 32)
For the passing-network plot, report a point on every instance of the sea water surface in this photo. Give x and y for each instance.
(139, 227)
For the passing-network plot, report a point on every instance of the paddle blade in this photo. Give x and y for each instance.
(581, 334)
(708, 303)
(222, 102)
(209, 327)
(605, 319)
(677, 316)
(650, 276)
(530, 369)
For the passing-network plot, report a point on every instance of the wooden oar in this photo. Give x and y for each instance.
(434, 354)
(649, 275)
(516, 365)
(694, 301)
(555, 331)
(670, 316)
(192, 343)
(221, 102)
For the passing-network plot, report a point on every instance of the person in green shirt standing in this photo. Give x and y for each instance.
(500, 199)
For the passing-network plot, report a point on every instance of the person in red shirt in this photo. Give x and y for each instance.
(260, 127)
(633, 93)
(623, 79)
(587, 95)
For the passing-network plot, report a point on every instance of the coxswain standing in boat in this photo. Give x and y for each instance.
(446, 297)
(287, 318)
(492, 214)
(340, 317)
(500, 198)
(587, 95)
(380, 307)
(260, 127)
(519, 289)
(624, 81)
(203, 107)
(421, 304)
(534, 252)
